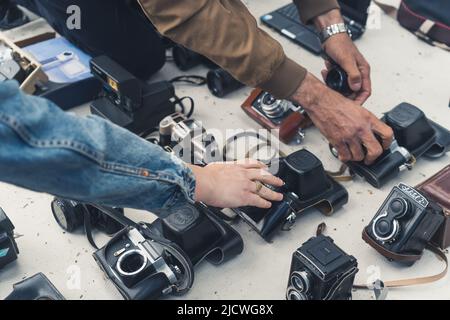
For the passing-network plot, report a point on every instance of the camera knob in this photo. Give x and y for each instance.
(399, 207)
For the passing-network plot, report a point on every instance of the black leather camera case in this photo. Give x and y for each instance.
(37, 287)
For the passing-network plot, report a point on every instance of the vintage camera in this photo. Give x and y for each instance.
(306, 186)
(276, 114)
(143, 266)
(8, 246)
(37, 287)
(200, 233)
(404, 225)
(415, 136)
(188, 140)
(71, 215)
(220, 82)
(320, 270)
(127, 101)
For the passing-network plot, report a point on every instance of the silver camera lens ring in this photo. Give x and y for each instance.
(300, 281)
(126, 255)
(293, 294)
(391, 236)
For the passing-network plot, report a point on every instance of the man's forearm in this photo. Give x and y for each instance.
(87, 159)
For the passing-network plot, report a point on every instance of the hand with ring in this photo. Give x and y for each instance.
(236, 184)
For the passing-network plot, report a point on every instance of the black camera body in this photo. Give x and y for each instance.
(320, 270)
(127, 101)
(415, 137)
(306, 185)
(71, 215)
(220, 82)
(143, 267)
(404, 225)
(337, 79)
(157, 259)
(8, 246)
(37, 287)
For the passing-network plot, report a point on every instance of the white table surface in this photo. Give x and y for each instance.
(403, 69)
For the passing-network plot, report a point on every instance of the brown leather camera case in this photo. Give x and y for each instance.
(437, 189)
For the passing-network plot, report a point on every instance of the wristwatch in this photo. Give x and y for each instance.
(333, 30)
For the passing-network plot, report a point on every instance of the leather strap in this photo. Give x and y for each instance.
(411, 281)
(340, 174)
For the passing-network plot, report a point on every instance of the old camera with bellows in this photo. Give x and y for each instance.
(403, 225)
(127, 101)
(307, 185)
(8, 246)
(320, 270)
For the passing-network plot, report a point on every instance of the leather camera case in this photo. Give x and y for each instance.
(37, 287)
(200, 233)
(307, 186)
(288, 126)
(437, 189)
(408, 234)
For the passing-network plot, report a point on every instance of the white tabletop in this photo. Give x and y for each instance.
(403, 69)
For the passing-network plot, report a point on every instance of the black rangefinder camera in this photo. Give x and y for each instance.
(8, 246)
(71, 215)
(127, 101)
(320, 270)
(404, 225)
(220, 82)
(306, 186)
(143, 266)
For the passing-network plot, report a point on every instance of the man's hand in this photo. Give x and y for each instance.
(350, 128)
(235, 184)
(341, 49)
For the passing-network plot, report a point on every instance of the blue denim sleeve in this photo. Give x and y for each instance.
(87, 159)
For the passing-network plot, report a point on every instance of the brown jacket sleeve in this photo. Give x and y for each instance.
(227, 33)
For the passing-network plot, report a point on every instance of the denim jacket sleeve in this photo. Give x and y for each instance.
(87, 159)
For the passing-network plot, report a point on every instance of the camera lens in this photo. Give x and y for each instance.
(384, 228)
(337, 79)
(300, 281)
(399, 207)
(221, 83)
(67, 214)
(293, 294)
(131, 263)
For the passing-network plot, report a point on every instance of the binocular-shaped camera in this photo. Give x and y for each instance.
(306, 186)
(404, 225)
(148, 261)
(71, 215)
(320, 270)
(188, 140)
(8, 246)
(220, 82)
(127, 101)
(415, 136)
(277, 114)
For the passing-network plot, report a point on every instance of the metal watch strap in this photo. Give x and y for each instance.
(332, 30)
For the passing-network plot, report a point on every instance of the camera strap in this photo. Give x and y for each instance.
(399, 257)
(340, 174)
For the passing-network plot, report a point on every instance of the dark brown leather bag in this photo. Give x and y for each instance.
(437, 189)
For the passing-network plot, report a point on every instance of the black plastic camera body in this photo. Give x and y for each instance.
(127, 101)
(306, 185)
(320, 270)
(220, 82)
(415, 136)
(404, 225)
(71, 215)
(8, 246)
